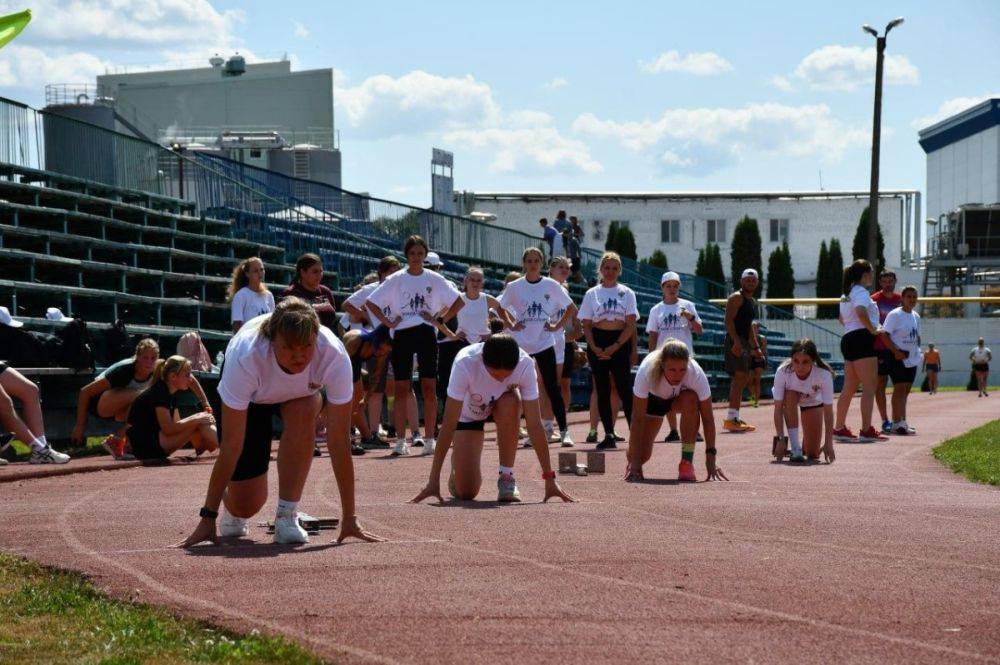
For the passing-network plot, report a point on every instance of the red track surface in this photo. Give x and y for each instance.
(883, 556)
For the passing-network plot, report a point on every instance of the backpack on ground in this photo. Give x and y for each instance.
(75, 347)
(116, 343)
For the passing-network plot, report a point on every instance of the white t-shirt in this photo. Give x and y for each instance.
(252, 374)
(859, 297)
(534, 304)
(471, 383)
(694, 379)
(608, 303)
(248, 304)
(666, 321)
(559, 336)
(410, 296)
(904, 330)
(816, 388)
(358, 299)
(473, 319)
(981, 355)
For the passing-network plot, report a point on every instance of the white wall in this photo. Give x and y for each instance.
(967, 171)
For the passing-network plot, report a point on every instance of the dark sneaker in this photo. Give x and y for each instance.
(592, 436)
(673, 437)
(608, 443)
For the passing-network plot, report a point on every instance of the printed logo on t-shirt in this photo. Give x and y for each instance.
(479, 407)
(613, 305)
(671, 321)
(414, 303)
(534, 312)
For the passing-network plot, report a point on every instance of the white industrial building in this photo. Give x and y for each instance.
(681, 223)
(963, 159)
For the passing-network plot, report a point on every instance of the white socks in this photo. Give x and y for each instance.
(732, 414)
(509, 470)
(39, 444)
(793, 440)
(287, 508)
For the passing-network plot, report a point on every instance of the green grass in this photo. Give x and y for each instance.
(975, 454)
(50, 616)
(959, 389)
(91, 448)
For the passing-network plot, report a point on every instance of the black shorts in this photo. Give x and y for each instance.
(981, 367)
(811, 406)
(256, 455)
(900, 373)
(92, 405)
(658, 407)
(857, 345)
(474, 426)
(740, 363)
(569, 360)
(418, 340)
(758, 363)
(885, 361)
(933, 367)
(356, 369)
(146, 444)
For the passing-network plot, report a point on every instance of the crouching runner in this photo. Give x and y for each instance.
(669, 380)
(276, 365)
(485, 381)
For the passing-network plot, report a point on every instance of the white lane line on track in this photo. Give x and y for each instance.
(68, 536)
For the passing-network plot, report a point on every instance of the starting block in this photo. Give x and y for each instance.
(312, 526)
(568, 464)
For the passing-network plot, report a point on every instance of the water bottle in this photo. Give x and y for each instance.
(219, 357)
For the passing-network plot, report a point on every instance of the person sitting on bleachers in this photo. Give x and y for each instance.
(155, 428)
(111, 394)
(31, 429)
(308, 285)
(247, 293)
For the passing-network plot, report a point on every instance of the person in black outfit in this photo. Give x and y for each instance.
(740, 347)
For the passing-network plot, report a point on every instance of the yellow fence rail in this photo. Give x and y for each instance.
(836, 301)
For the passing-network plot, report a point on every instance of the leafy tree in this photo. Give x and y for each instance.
(699, 267)
(714, 265)
(745, 252)
(829, 282)
(625, 243)
(781, 276)
(609, 241)
(859, 249)
(658, 260)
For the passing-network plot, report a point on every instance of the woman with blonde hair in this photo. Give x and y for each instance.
(247, 292)
(155, 428)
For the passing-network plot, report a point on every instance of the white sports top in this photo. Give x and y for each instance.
(534, 304)
(473, 319)
(981, 355)
(904, 330)
(646, 385)
(410, 296)
(608, 303)
(816, 388)
(666, 321)
(478, 391)
(859, 297)
(248, 304)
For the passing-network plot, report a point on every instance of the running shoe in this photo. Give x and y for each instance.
(565, 439)
(429, 445)
(608, 443)
(288, 531)
(618, 437)
(887, 426)
(3, 461)
(754, 402)
(738, 426)
(871, 435)
(375, 443)
(526, 444)
(318, 448)
(592, 436)
(115, 445)
(507, 491)
(522, 433)
(401, 448)
(48, 456)
(673, 437)
(357, 449)
(797, 458)
(231, 526)
(418, 441)
(699, 437)
(903, 430)
(844, 435)
(685, 472)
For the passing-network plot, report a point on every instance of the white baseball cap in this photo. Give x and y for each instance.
(670, 276)
(55, 314)
(432, 259)
(7, 320)
(749, 272)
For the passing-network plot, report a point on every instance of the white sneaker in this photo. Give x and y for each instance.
(565, 440)
(288, 531)
(507, 491)
(418, 441)
(401, 448)
(48, 456)
(231, 526)
(429, 445)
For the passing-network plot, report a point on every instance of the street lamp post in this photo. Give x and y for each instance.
(876, 138)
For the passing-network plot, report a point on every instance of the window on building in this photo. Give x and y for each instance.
(670, 230)
(622, 223)
(255, 153)
(779, 230)
(717, 231)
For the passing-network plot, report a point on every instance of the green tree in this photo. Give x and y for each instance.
(822, 270)
(859, 249)
(659, 260)
(609, 241)
(699, 267)
(781, 276)
(829, 284)
(625, 243)
(713, 265)
(745, 252)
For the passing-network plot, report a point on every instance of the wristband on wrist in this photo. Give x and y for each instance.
(207, 513)
(548, 475)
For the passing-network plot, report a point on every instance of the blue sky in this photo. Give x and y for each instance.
(567, 96)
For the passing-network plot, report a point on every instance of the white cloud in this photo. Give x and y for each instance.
(950, 108)
(703, 140)
(528, 149)
(556, 83)
(698, 64)
(847, 68)
(117, 22)
(301, 31)
(781, 83)
(30, 67)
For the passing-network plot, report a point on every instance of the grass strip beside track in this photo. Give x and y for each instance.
(975, 454)
(51, 616)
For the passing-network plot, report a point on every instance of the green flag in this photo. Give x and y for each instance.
(12, 25)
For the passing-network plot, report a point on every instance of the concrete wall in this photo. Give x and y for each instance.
(967, 171)
(954, 338)
(809, 221)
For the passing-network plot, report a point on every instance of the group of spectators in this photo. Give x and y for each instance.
(564, 237)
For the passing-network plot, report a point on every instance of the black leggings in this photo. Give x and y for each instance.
(619, 366)
(446, 358)
(547, 368)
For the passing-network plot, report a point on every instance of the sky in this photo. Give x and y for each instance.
(567, 96)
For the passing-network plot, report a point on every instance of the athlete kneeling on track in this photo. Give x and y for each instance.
(670, 380)
(803, 392)
(276, 365)
(485, 381)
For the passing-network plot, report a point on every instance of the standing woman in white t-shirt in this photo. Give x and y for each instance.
(859, 315)
(980, 358)
(490, 380)
(532, 302)
(803, 399)
(609, 313)
(275, 366)
(412, 298)
(670, 381)
(247, 293)
(565, 346)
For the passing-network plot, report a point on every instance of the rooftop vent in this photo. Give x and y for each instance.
(235, 66)
(216, 60)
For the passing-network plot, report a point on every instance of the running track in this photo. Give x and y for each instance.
(884, 556)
